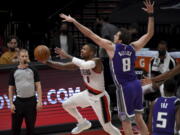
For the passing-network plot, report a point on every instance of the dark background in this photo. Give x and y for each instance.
(36, 19)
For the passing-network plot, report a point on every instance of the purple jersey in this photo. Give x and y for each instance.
(128, 87)
(164, 115)
(123, 63)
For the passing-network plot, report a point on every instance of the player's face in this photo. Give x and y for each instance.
(85, 51)
(116, 37)
(23, 57)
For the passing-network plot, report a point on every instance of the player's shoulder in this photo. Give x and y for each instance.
(177, 101)
(96, 59)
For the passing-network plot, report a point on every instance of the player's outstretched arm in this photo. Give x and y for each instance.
(62, 66)
(76, 61)
(149, 8)
(88, 33)
(162, 77)
(167, 75)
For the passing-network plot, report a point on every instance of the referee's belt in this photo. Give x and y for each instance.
(25, 99)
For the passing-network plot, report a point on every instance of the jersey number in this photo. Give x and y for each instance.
(126, 64)
(160, 118)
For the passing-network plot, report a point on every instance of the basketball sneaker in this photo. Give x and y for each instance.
(81, 127)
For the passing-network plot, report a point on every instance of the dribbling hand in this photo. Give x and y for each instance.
(61, 53)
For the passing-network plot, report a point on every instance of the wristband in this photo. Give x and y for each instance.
(150, 14)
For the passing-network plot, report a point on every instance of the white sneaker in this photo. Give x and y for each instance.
(81, 127)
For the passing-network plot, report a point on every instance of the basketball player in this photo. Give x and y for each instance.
(122, 55)
(164, 118)
(95, 94)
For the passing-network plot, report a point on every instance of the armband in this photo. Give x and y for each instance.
(84, 64)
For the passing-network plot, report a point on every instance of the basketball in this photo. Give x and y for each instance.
(41, 53)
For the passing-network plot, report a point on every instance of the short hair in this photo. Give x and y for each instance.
(125, 36)
(22, 50)
(170, 86)
(162, 42)
(92, 47)
(10, 38)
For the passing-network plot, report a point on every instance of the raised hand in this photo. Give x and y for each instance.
(149, 7)
(61, 53)
(66, 18)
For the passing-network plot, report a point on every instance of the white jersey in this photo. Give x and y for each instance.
(94, 81)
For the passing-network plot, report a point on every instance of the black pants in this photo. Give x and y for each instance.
(25, 109)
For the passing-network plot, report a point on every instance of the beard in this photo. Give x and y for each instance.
(12, 49)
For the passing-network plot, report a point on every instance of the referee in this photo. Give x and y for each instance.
(23, 81)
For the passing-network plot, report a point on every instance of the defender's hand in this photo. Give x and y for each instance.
(66, 18)
(149, 7)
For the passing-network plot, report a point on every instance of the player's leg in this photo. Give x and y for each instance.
(127, 127)
(71, 104)
(101, 107)
(139, 109)
(122, 111)
(141, 124)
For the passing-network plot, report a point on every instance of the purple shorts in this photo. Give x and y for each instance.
(129, 99)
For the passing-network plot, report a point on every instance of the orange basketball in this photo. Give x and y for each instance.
(41, 53)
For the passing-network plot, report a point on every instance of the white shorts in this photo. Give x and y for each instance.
(100, 104)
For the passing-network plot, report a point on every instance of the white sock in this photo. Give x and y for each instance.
(74, 112)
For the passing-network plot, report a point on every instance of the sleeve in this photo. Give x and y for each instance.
(84, 64)
(177, 102)
(11, 78)
(36, 74)
(172, 63)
